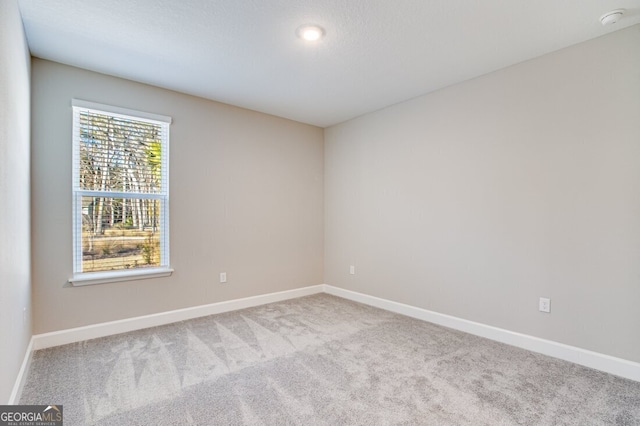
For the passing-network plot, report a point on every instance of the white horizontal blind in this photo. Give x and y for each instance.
(120, 189)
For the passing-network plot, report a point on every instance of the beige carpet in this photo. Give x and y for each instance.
(319, 360)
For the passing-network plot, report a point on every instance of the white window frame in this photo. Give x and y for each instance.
(80, 278)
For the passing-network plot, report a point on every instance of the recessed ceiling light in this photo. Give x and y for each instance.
(310, 32)
(611, 17)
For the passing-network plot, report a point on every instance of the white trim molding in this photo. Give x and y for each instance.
(79, 334)
(608, 364)
(90, 278)
(16, 393)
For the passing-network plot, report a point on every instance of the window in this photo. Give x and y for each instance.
(120, 194)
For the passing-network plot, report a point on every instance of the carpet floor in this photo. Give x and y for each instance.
(319, 360)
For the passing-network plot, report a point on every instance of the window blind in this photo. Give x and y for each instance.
(120, 189)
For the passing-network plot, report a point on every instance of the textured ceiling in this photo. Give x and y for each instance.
(245, 52)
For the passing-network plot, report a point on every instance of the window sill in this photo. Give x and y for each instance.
(91, 278)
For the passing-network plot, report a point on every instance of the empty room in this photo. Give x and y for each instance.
(294, 212)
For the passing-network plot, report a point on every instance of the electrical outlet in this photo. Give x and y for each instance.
(544, 305)
(223, 277)
(352, 270)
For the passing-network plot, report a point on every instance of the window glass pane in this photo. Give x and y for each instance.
(119, 154)
(120, 233)
(121, 191)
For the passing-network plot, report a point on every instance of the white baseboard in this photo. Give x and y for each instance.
(609, 364)
(14, 398)
(72, 335)
(598, 361)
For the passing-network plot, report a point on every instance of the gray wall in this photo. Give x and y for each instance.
(246, 199)
(476, 200)
(15, 252)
